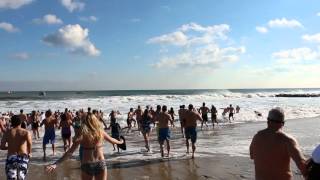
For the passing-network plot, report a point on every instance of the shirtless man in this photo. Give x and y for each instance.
(65, 125)
(23, 117)
(17, 141)
(231, 113)
(271, 149)
(204, 112)
(181, 113)
(190, 125)
(130, 119)
(214, 115)
(138, 113)
(163, 120)
(49, 134)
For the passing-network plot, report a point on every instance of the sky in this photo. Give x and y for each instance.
(158, 44)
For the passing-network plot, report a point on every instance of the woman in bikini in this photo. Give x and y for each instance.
(91, 138)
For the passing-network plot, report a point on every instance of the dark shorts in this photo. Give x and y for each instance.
(35, 125)
(205, 117)
(146, 129)
(49, 136)
(164, 134)
(191, 133)
(66, 133)
(115, 136)
(17, 166)
(230, 114)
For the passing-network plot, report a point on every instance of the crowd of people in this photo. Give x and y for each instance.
(90, 132)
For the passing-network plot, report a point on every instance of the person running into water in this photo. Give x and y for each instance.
(138, 113)
(204, 112)
(130, 119)
(92, 134)
(181, 113)
(115, 128)
(237, 109)
(271, 150)
(23, 117)
(65, 125)
(214, 113)
(172, 114)
(164, 131)
(49, 133)
(35, 123)
(146, 127)
(17, 141)
(191, 116)
(231, 113)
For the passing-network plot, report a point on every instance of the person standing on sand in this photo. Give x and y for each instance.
(93, 165)
(17, 141)
(204, 112)
(164, 132)
(49, 133)
(271, 150)
(191, 116)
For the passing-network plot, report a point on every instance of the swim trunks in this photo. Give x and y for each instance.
(230, 114)
(205, 117)
(191, 133)
(17, 166)
(164, 134)
(35, 125)
(49, 136)
(66, 132)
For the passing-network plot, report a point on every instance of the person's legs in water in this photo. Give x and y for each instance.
(44, 151)
(193, 149)
(187, 144)
(102, 175)
(168, 146)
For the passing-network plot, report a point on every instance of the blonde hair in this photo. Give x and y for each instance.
(92, 128)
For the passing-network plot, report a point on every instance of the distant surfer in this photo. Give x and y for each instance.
(237, 109)
(258, 113)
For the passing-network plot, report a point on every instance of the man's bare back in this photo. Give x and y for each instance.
(163, 120)
(191, 118)
(18, 140)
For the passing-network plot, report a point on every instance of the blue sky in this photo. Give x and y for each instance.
(143, 44)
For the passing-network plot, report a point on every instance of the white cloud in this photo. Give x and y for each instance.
(8, 27)
(312, 38)
(13, 4)
(296, 55)
(73, 5)
(179, 38)
(20, 56)
(262, 29)
(74, 38)
(198, 46)
(135, 20)
(48, 19)
(176, 38)
(89, 19)
(284, 23)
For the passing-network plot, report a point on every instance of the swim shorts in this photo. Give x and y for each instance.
(66, 132)
(205, 117)
(191, 133)
(49, 136)
(164, 134)
(17, 166)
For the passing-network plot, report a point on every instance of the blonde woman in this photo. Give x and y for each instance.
(91, 138)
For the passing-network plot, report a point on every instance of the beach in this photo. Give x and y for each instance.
(222, 153)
